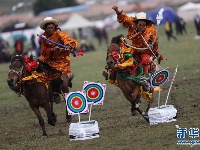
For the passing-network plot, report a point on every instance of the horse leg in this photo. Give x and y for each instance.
(53, 115)
(68, 117)
(50, 114)
(136, 104)
(65, 89)
(131, 99)
(41, 120)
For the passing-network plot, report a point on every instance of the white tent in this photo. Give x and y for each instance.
(76, 21)
(188, 11)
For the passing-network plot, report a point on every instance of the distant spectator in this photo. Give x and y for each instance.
(19, 46)
(105, 35)
(178, 27)
(4, 51)
(197, 24)
(89, 33)
(74, 35)
(169, 30)
(84, 46)
(80, 32)
(91, 47)
(183, 25)
(98, 35)
(34, 45)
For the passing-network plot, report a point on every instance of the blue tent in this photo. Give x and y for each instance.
(167, 13)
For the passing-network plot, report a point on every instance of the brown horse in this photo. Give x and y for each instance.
(38, 94)
(126, 80)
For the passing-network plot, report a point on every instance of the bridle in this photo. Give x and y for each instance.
(114, 54)
(14, 76)
(18, 73)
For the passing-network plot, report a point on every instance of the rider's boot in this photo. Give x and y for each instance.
(56, 85)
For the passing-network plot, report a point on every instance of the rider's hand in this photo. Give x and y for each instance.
(115, 8)
(116, 66)
(55, 48)
(68, 48)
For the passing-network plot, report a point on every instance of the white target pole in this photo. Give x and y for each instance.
(159, 97)
(90, 113)
(79, 117)
(171, 85)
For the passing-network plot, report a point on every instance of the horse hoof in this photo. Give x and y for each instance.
(134, 112)
(44, 137)
(52, 121)
(146, 118)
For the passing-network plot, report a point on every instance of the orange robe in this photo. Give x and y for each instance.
(59, 59)
(140, 39)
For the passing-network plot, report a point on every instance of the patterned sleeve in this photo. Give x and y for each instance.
(68, 40)
(151, 36)
(45, 49)
(125, 20)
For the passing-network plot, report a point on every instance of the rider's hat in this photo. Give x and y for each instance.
(48, 20)
(142, 16)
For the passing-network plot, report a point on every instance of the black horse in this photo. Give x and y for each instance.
(36, 89)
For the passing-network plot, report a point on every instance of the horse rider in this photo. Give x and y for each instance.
(55, 56)
(142, 32)
(124, 58)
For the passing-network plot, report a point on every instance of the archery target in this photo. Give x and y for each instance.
(160, 78)
(94, 92)
(76, 103)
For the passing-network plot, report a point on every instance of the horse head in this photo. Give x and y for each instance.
(113, 51)
(15, 73)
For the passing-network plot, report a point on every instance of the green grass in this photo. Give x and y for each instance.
(118, 129)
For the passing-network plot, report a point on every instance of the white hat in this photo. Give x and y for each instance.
(48, 20)
(142, 16)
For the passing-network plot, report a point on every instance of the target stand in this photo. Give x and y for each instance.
(84, 130)
(164, 113)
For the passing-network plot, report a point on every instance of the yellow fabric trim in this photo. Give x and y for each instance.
(127, 63)
(157, 89)
(34, 75)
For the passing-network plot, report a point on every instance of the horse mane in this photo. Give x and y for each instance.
(116, 39)
(19, 58)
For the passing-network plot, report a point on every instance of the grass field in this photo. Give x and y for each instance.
(118, 129)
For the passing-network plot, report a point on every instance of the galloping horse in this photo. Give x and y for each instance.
(126, 80)
(37, 92)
